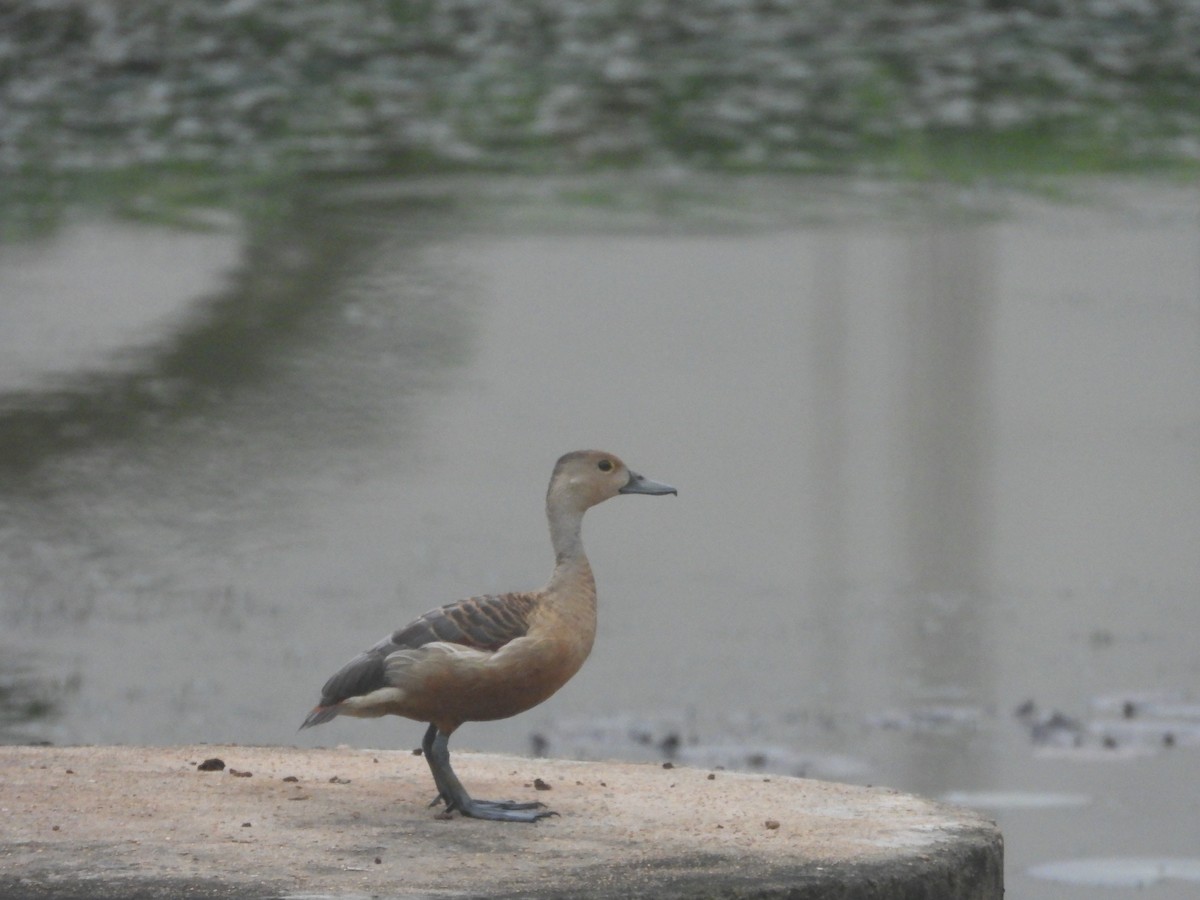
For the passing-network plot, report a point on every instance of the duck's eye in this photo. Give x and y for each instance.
(605, 465)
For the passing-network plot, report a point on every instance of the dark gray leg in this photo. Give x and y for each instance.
(437, 754)
(427, 749)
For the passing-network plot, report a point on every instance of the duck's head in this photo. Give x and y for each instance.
(584, 478)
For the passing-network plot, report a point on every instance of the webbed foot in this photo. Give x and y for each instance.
(502, 810)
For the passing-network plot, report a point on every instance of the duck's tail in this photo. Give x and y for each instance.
(320, 715)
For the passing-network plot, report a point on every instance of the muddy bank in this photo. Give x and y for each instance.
(263, 83)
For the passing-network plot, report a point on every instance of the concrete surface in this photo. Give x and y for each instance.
(142, 822)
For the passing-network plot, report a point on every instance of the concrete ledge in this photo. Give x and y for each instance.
(138, 822)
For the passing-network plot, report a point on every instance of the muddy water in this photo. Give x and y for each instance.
(937, 462)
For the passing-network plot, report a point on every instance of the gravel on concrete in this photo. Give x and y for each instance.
(148, 822)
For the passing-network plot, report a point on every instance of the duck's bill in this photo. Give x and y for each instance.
(639, 484)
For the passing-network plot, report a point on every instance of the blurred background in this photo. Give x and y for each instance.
(300, 302)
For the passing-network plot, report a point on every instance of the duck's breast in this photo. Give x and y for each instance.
(449, 684)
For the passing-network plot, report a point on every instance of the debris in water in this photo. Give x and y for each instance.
(930, 719)
(670, 745)
(1124, 726)
(1053, 730)
(676, 737)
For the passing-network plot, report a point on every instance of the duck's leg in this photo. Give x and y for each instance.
(437, 753)
(427, 750)
(444, 792)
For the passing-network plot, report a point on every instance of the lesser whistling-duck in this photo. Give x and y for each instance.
(493, 656)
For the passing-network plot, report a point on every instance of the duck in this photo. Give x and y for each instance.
(491, 656)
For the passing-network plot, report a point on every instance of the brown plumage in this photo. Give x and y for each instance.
(493, 656)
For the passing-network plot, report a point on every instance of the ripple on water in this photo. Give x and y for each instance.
(1118, 871)
(1015, 799)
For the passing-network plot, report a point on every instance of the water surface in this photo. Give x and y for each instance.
(937, 460)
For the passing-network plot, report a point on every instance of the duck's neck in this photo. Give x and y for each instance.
(566, 534)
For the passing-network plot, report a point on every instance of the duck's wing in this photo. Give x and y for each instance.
(481, 623)
(484, 623)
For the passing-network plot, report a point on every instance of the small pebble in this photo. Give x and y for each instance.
(771, 824)
(540, 785)
(212, 764)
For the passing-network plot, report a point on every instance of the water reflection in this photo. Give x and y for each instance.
(300, 282)
(949, 293)
(944, 513)
(28, 697)
(903, 406)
